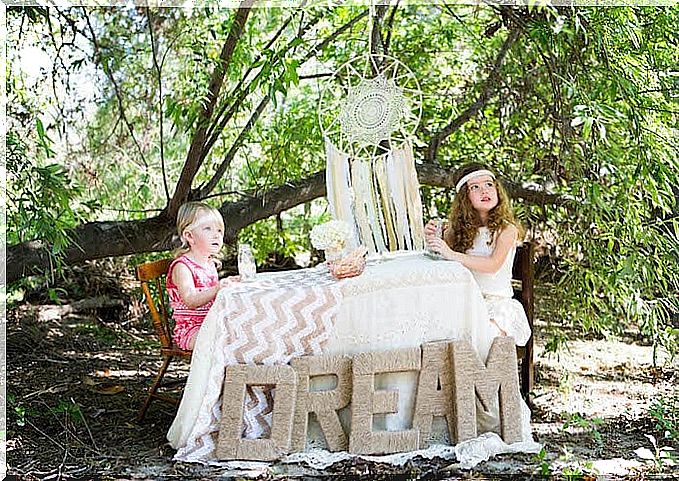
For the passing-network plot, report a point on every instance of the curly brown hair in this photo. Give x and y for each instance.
(464, 221)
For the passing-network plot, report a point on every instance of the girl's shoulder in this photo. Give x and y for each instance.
(191, 266)
(507, 230)
(177, 261)
(194, 266)
(182, 259)
(509, 226)
(510, 231)
(172, 269)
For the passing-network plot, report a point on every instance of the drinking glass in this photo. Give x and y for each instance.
(439, 225)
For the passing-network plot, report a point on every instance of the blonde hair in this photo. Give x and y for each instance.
(190, 215)
(464, 221)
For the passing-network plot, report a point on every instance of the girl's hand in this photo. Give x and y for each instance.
(502, 331)
(440, 247)
(430, 228)
(228, 281)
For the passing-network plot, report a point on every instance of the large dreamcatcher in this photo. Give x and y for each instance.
(370, 105)
(369, 110)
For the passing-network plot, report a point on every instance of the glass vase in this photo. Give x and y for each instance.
(246, 263)
(332, 255)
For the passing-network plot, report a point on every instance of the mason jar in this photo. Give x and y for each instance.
(246, 263)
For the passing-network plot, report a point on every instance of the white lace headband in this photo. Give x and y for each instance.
(470, 176)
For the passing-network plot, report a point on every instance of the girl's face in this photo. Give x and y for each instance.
(205, 237)
(482, 193)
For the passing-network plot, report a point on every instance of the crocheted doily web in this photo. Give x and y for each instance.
(370, 105)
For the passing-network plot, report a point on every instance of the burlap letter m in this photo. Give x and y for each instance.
(498, 377)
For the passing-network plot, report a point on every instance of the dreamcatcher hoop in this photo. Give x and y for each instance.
(371, 105)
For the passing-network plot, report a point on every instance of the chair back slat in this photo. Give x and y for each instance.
(153, 270)
(162, 306)
(523, 271)
(153, 273)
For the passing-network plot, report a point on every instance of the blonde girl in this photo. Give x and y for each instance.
(192, 279)
(482, 235)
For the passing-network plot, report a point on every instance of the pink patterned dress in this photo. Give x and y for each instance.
(188, 320)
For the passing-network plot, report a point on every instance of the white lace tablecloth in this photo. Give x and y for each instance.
(402, 301)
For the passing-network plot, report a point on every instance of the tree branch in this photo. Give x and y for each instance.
(116, 89)
(157, 68)
(202, 191)
(96, 240)
(195, 155)
(219, 123)
(334, 35)
(93, 240)
(437, 176)
(218, 126)
(265, 204)
(390, 27)
(376, 42)
(487, 90)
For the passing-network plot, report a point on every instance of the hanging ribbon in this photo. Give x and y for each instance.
(379, 199)
(339, 191)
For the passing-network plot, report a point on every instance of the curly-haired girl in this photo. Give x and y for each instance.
(482, 235)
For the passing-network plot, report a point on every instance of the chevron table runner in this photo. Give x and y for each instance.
(272, 320)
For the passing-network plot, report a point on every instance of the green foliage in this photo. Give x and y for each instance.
(584, 105)
(39, 197)
(287, 235)
(578, 421)
(69, 410)
(556, 341)
(545, 468)
(101, 333)
(599, 144)
(286, 156)
(665, 412)
(17, 412)
(55, 294)
(574, 468)
(43, 198)
(661, 458)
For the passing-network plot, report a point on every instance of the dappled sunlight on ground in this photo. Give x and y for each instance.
(75, 385)
(602, 379)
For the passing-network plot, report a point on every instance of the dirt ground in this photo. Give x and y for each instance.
(77, 374)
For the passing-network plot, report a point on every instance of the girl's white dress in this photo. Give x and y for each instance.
(508, 313)
(497, 290)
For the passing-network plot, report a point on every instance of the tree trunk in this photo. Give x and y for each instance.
(94, 240)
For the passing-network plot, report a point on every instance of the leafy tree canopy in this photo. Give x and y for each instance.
(133, 111)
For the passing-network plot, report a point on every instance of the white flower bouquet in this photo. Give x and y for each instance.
(330, 236)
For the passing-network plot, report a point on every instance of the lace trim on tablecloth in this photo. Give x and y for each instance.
(468, 453)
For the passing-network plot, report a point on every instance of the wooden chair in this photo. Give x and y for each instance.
(523, 271)
(153, 274)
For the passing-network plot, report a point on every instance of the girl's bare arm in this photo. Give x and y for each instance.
(487, 265)
(193, 297)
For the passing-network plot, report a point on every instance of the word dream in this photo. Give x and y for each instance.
(451, 377)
